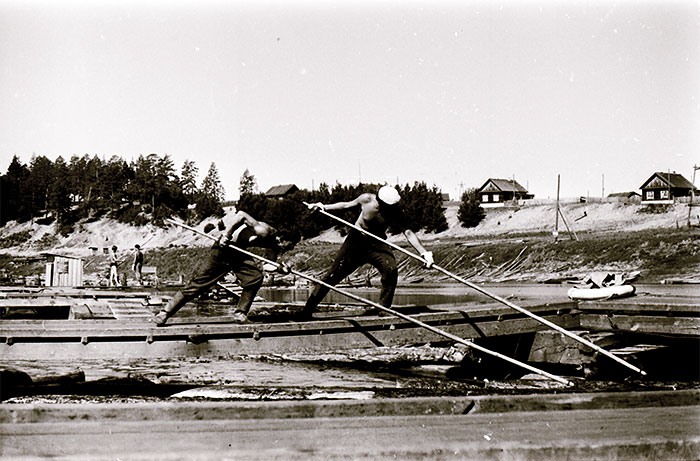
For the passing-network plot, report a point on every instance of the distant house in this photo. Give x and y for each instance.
(281, 191)
(624, 197)
(663, 188)
(498, 192)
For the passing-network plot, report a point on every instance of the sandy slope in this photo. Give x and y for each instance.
(581, 217)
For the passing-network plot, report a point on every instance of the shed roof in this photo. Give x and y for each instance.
(281, 190)
(623, 194)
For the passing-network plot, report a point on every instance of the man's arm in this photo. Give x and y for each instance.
(416, 243)
(243, 217)
(363, 198)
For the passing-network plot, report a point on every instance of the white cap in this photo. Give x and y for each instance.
(389, 195)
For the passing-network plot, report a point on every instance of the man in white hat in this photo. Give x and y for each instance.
(378, 212)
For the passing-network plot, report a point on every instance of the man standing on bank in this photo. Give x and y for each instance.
(378, 212)
(245, 232)
(137, 265)
(113, 266)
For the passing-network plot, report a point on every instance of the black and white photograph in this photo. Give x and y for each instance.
(350, 230)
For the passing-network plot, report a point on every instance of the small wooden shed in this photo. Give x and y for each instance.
(63, 271)
(281, 191)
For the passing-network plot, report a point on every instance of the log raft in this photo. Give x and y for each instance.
(102, 327)
(132, 336)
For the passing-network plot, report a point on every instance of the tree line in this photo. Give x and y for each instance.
(144, 190)
(150, 189)
(422, 205)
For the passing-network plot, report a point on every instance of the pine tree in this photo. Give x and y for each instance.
(188, 179)
(211, 196)
(248, 184)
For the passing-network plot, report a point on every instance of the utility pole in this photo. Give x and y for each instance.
(556, 213)
(692, 193)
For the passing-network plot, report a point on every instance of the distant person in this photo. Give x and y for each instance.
(137, 266)
(245, 232)
(113, 265)
(378, 212)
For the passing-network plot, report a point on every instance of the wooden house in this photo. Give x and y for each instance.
(500, 192)
(662, 188)
(281, 191)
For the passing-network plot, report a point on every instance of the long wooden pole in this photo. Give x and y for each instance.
(492, 295)
(556, 212)
(388, 310)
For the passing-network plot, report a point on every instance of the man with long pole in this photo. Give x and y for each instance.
(285, 269)
(378, 213)
(489, 294)
(246, 232)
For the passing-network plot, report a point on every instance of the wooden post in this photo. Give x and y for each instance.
(556, 213)
(572, 233)
(692, 194)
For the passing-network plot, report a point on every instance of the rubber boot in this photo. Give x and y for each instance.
(174, 305)
(240, 315)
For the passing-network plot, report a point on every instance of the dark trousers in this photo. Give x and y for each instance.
(222, 261)
(357, 250)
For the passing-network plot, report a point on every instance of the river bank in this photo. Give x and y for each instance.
(509, 245)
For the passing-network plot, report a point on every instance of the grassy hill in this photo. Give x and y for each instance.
(510, 244)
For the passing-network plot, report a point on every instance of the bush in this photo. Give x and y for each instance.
(15, 239)
(470, 213)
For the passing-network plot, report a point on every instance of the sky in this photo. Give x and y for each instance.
(450, 93)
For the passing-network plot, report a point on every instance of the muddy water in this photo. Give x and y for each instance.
(458, 294)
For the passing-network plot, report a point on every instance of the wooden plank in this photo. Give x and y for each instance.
(63, 328)
(88, 310)
(44, 303)
(347, 334)
(677, 326)
(644, 305)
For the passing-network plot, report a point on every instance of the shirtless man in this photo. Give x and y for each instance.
(378, 212)
(245, 232)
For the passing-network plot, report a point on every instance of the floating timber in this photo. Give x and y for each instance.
(116, 324)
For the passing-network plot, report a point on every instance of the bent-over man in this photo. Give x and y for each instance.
(245, 232)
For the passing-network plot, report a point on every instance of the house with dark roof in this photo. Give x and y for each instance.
(662, 188)
(500, 192)
(281, 191)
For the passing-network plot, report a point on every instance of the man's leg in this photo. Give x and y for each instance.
(384, 260)
(349, 258)
(251, 279)
(217, 267)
